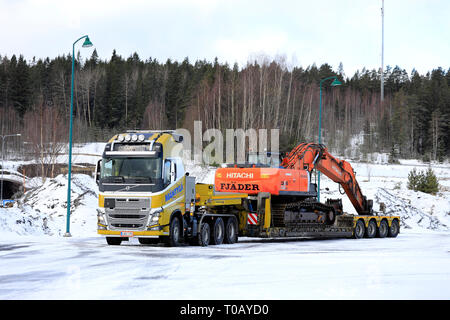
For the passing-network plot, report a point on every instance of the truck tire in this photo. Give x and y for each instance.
(148, 240)
(394, 229)
(371, 229)
(218, 231)
(113, 241)
(383, 229)
(231, 231)
(204, 235)
(175, 232)
(359, 230)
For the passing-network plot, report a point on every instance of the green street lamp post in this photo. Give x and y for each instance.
(335, 83)
(86, 44)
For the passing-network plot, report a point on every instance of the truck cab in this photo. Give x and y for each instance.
(141, 182)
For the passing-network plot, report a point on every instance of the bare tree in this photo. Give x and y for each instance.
(45, 131)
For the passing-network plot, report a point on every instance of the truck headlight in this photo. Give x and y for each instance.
(101, 218)
(154, 215)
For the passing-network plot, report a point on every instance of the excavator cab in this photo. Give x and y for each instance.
(259, 160)
(264, 159)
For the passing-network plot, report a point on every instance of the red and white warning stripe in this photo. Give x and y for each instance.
(252, 218)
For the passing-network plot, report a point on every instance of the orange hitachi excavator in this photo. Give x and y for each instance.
(293, 194)
(307, 156)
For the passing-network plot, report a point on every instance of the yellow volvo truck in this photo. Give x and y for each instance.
(144, 192)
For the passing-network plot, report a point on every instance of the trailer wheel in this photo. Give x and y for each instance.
(218, 231)
(359, 230)
(371, 229)
(204, 234)
(113, 241)
(394, 229)
(382, 230)
(174, 232)
(231, 231)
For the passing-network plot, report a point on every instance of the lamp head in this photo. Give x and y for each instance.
(87, 43)
(335, 83)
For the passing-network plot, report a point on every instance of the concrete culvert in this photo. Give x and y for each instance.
(10, 188)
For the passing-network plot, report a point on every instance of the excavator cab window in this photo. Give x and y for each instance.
(264, 159)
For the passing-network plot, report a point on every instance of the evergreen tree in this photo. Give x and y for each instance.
(20, 91)
(431, 184)
(424, 181)
(399, 121)
(114, 105)
(414, 180)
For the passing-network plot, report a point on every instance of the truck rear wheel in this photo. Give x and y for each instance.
(360, 229)
(113, 241)
(204, 235)
(393, 229)
(218, 231)
(231, 231)
(371, 229)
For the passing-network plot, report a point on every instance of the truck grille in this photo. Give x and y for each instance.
(127, 213)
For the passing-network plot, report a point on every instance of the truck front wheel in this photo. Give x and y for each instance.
(174, 232)
(113, 241)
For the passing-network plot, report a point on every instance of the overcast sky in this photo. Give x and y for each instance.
(417, 32)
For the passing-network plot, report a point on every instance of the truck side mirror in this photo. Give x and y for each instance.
(167, 173)
(173, 171)
(97, 171)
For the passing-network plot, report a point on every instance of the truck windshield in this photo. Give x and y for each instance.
(132, 169)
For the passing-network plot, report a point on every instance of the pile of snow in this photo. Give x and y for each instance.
(43, 210)
(417, 209)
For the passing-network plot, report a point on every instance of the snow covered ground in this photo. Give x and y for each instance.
(411, 266)
(36, 262)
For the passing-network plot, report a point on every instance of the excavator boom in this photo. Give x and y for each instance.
(309, 156)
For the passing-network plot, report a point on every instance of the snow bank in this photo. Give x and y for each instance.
(43, 210)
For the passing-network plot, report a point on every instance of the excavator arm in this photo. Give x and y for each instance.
(309, 156)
